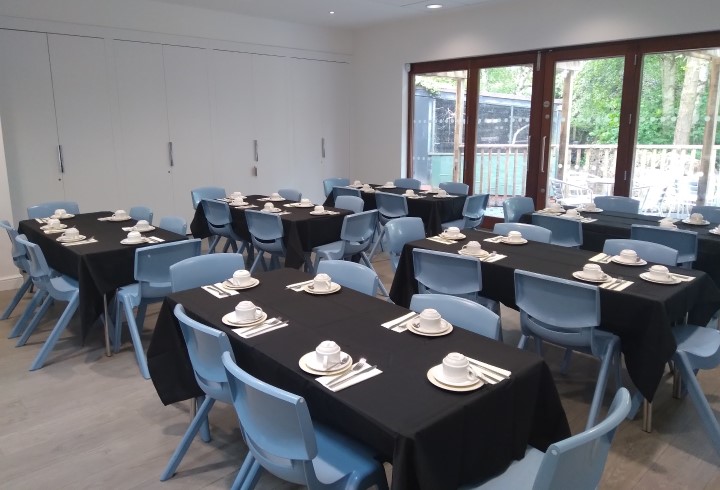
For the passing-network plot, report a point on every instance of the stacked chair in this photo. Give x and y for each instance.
(19, 258)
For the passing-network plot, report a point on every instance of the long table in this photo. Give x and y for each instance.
(642, 315)
(434, 211)
(100, 267)
(303, 231)
(435, 439)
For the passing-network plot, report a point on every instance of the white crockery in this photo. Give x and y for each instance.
(430, 320)
(442, 192)
(269, 206)
(322, 282)
(327, 353)
(319, 209)
(697, 218)
(452, 231)
(60, 212)
(246, 311)
(305, 201)
(472, 247)
(275, 195)
(241, 277)
(592, 271)
(629, 255)
(236, 195)
(456, 367)
(409, 192)
(70, 234)
(572, 213)
(120, 214)
(667, 223)
(53, 223)
(556, 206)
(357, 183)
(134, 236)
(659, 273)
(238, 201)
(389, 184)
(590, 206)
(514, 236)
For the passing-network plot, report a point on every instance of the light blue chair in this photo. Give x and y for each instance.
(175, 224)
(620, 204)
(50, 287)
(283, 439)
(141, 212)
(389, 206)
(684, 241)
(529, 232)
(399, 232)
(197, 271)
(460, 312)
(20, 261)
(200, 193)
(346, 191)
(267, 236)
(351, 203)
(566, 232)
(515, 207)
(45, 209)
(457, 188)
(473, 213)
(407, 183)
(355, 239)
(205, 347)
(290, 194)
(219, 222)
(573, 463)
(710, 213)
(574, 325)
(351, 275)
(152, 273)
(652, 252)
(453, 274)
(329, 184)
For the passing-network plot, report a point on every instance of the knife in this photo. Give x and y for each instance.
(264, 329)
(348, 376)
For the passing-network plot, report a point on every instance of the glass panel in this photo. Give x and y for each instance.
(585, 124)
(502, 132)
(438, 127)
(676, 157)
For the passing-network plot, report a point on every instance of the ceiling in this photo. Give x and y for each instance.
(348, 13)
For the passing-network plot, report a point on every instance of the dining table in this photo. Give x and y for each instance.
(435, 438)
(641, 314)
(302, 231)
(434, 210)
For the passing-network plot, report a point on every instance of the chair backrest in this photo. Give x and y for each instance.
(710, 213)
(401, 231)
(351, 275)
(176, 224)
(38, 267)
(290, 194)
(152, 265)
(277, 426)
(204, 269)
(474, 210)
(566, 232)
(579, 461)
(351, 203)
(408, 183)
(460, 312)
(621, 204)
(447, 273)
(205, 346)
(328, 184)
(217, 214)
(200, 193)
(684, 241)
(537, 296)
(346, 191)
(515, 207)
(529, 232)
(265, 228)
(650, 251)
(390, 205)
(19, 255)
(458, 188)
(358, 230)
(45, 209)
(141, 212)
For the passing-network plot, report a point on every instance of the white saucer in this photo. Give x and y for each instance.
(273, 210)
(388, 187)
(300, 205)
(696, 223)
(443, 197)
(673, 280)
(145, 230)
(552, 211)
(618, 260)
(319, 213)
(581, 276)
(459, 236)
(570, 216)
(245, 205)
(275, 199)
(714, 231)
(334, 288)
(229, 319)
(369, 191)
(596, 210)
(356, 186)
(64, 216)
(414, 327)
(62, 226)
(126, 241)
(253, 282)
(308, 363)
(483, 253)
(112, 218)
(505, 240)
(70, 240)
(436, 377)
(413, 197)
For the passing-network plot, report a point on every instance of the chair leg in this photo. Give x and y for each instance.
(117, 331)
(34, 322)
(213, 244)
(567, 357)
(253, 476)
(377, 243)
(523, 342)
(16, 299)
(244, 471)
(600, 386)
(137, 342)
(187, 438)
(26, 314)
(257, 260)
(707, 416)
(140, 316)
(205, 426)
(60, 326)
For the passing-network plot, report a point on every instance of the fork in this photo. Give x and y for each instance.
(269, 323)
(616, 283)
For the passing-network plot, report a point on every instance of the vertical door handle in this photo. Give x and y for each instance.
(61, 160)
(255, 150)
(170, 152)
(542, 155)
(322, 147)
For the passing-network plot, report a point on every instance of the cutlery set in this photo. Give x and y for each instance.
(272, 324)
(298, 286)
(488, 373)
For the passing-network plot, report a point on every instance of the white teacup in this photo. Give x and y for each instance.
(430, 320)
(238, 201)
(120, 214)
(556, 206)
(268, 206)
(572, 213)
(322, 282)
(442, 192)
(659, 273)
(696, 218)
(590, 206)
(70, 234)
(275, 195)
(472, 247)
(592, 271)
(667, 223)
(452, 231)
(629, 255)
(456, 367)
(319, 209)
(236, 195)
(241, 277)
(514, 236)
(367, 187)
(389, 184)
(134, 236)
(142, 224)
(327, 353)
(246, 311)
(53, 223)
(60, 212)
(358, 183)
(409, 192)
(305, 202)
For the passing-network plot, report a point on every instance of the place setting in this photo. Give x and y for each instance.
(449, 236)
(304, 203)
(589, 207)
(61, 214)
(53, 225)
(119, 215)
(343, 373)
(321, 285)
(715, 231)
(554, 209)
(238, 201)
(357, 184)
(320, 210)
(270, 208)
(250, 320)
(696, 219)
(142, 226)
(512, 238)
(274, 197)
(135, 238)
(440, 194)
(628, 257)
(429, 323)
(668, 222)
(72, 236)
(593, 273)
(474, 249)
(659, 274)
(460, 373)
(574, 214)
(388, 185)
(241, 279)
(410, 194)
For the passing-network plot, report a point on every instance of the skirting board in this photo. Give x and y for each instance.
(10, 282)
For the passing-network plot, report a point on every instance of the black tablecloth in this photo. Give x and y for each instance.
(434, 211)
(303, 231)
(101, 267)
(434, 438)
(641, 315)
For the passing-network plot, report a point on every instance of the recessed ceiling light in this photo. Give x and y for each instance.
(434, 6)
(332, 12)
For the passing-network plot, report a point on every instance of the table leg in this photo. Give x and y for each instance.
(647, 416)
(106, 322)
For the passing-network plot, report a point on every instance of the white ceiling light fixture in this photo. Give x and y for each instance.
(434, 6)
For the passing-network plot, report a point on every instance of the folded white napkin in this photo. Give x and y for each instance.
(107, 218)
(48, 232)
(613, 286)
(603, 258)
(154, 239)
(495, 239)
(399, 324)
(588, 220)
(228, 292)
(494, 258)
(81, 242)
(440, 240)
(324, 380)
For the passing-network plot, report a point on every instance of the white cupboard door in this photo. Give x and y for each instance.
(188, 101)
(84, 122)
(232, 120)
(144, 156)
(27, 116)
(336, 120)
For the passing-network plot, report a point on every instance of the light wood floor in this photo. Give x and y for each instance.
(90, 421)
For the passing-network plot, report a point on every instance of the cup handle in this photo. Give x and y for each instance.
(258, 311)
(329, 284)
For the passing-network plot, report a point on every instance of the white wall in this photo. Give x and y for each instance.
(9, 275)
(379, 123)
